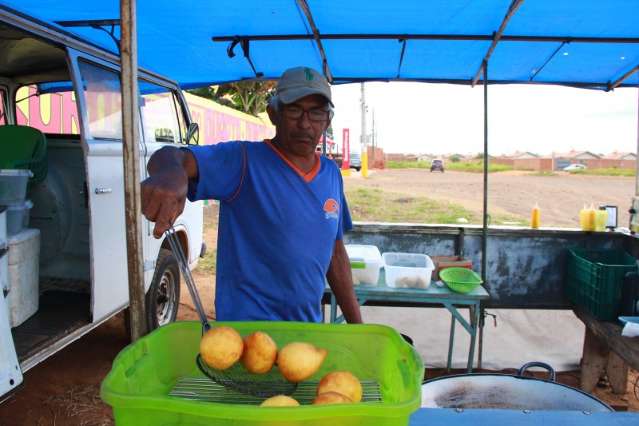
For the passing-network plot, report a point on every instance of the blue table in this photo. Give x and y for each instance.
(433, 295)
(447, 417)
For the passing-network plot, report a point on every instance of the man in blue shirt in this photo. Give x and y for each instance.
(282, 209)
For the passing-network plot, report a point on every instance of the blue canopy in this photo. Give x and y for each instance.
(583, 43)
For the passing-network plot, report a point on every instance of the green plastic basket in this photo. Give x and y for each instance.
(594, 279)
(144, 373)
(460, 280)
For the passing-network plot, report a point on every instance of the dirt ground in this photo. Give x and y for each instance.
(64, 390)
(560, 196)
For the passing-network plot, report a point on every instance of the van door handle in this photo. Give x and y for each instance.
(99, 191)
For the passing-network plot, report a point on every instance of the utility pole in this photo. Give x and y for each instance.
(364, 153)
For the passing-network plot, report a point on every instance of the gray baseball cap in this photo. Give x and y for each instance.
(296, 83)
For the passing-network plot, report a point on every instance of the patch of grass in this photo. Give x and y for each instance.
(377, 205)
(209, 262)
(408, 165)
(477, 167)
(610, 171)
(544, 173)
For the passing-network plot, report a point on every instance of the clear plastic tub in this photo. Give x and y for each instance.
(13, 185)
(18, 217)
(411, 270)
(366, 261)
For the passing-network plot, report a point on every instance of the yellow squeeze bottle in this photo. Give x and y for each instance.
(583, 218)
(587, 218)
(535, 217)
(592, 218)
(601, 218)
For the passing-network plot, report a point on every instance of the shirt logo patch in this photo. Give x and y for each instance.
(331, 209)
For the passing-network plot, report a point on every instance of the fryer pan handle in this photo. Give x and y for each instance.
(551, 371)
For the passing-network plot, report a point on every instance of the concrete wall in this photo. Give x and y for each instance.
(525, 266)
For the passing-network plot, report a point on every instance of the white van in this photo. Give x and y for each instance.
(79, 261)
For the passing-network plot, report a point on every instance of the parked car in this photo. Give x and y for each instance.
(437, 165)
(355, 162)
(78, 258)
(575, 167)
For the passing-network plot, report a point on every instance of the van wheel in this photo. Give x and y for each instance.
(163, 297)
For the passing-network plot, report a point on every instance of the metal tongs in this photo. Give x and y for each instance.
(176, 247)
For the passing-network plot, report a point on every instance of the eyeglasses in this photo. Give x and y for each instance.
(319, 115)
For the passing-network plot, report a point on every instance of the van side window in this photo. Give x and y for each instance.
(3, 106)
(159, 114)
(51, 113)
(104, 101)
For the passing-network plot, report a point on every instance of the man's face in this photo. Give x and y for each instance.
(300, 124)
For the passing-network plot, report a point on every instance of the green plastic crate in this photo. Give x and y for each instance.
(594, 279)
(144, 373)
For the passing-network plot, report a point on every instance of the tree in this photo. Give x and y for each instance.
(455, 158)
(250, 97)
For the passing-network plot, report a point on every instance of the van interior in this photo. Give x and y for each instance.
(57, 191)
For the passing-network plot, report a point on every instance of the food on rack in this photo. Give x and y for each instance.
(331, 398)
(298, 361)
(342, 382)
(221, 347)
(280, 401)
(260, 352)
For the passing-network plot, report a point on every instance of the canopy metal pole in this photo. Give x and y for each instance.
(131, 156)
(484, 239)
(485, 212)
(637, 158)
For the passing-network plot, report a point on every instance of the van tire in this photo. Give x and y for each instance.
(163, 297)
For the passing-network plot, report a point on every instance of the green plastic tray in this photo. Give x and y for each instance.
(144, 373)
(461, 280)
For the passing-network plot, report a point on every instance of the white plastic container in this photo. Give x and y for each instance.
(18, 217)
(23, 297)
(411, 270)
(366, 262)
(13, 185)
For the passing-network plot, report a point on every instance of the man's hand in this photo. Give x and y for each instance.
(164, 191)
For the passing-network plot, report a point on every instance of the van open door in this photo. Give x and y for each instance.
(97, 85)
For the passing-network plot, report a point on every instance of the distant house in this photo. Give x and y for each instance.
(587, 158)
(616, 155)
(525, 155)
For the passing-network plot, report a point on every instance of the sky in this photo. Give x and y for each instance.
(446, 119)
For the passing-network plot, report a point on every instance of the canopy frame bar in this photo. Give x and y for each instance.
(449, 37)
(89, 23)
(401, 56)
(514, 6)
(576, 84)
(617, 83)
(98, 24)
(550, 58)
(245, 45)
(316, 36)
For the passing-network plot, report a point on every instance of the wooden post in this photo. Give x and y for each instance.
(617, 371)
(131, 156)
(593, 362)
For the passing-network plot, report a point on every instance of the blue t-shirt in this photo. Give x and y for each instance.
(277, 229)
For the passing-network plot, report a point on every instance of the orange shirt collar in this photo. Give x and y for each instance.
(307, 176)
